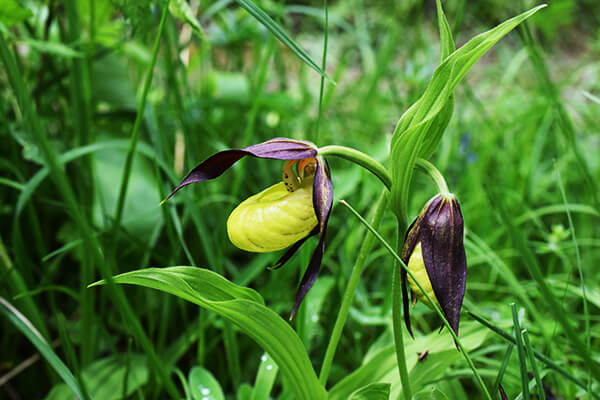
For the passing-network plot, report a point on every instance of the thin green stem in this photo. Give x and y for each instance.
(536, 372)
(323, 66)
(437, 177)
(436, 308)
(357, 270)
(377, 169)
(586, 314)
(397, 326)
(361, 159)
(137, 124)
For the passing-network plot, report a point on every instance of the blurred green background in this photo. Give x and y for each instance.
(526, 121)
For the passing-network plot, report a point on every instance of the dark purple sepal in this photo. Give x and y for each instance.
(442, 231)
(322, 194)
(292, 250)
(322, 202)
(310, 276)
(503, 395)
(410, 241)
(277, 148)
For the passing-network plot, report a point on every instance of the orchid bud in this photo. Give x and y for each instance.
(434, 252)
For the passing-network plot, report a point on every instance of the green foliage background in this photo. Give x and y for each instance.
(521, 153)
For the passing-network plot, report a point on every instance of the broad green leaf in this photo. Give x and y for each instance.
(382, 365)
(245, 308)
(280, 34)
(420, 128)
(12, 13)
(181, 10)
(204, 386)
(373, 391)
(54, 48)
(26, 327)
(265, 378)
(105, 378)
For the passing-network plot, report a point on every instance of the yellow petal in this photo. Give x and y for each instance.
(273, 219)
(416, 265)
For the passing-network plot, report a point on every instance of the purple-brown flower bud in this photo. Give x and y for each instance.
(434, 252)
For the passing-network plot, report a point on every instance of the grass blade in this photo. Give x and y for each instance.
(533, 267)
(280, 34)
(504, 364)
(536, 373)
(24, 325)
(64, 188)
(549, 363)
(520, 352)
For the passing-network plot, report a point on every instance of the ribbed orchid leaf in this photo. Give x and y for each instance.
(420, 128)
(245, 308)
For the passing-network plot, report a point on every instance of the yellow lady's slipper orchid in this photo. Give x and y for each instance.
(273, 219)
(283, 215)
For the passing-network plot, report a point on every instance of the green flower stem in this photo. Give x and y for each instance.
(377, 169)
(359, 266)
(397, 327)
(361, 159)
(437, 177)
(437, 309)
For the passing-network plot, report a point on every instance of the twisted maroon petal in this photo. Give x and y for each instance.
(322, 202)
(292, 250)
(277, 148)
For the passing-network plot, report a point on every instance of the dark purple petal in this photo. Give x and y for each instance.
(292, 250)
(283, 149)
(410, 241)
(322, 201)
(277, 148)
(503, 395)
(322, 194)
(310, 276)
(444, 256)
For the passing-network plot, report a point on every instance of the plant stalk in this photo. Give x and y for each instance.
(397, 325)
(357, 270)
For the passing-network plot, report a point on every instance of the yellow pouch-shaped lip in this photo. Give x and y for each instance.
(416, 265)
(273, 219)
